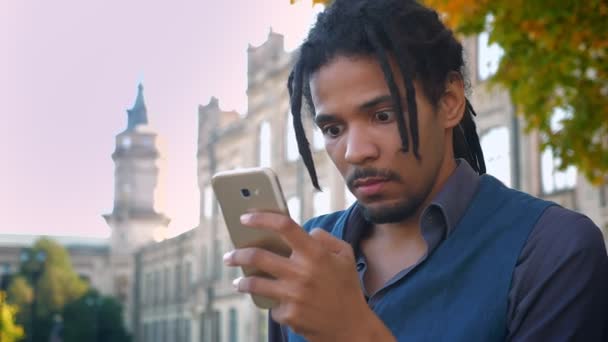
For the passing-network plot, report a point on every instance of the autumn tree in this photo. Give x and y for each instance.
(9, 330)
(46, 282)
(554, 61)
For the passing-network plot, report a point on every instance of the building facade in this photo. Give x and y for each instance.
(178, 290)
(265, 137)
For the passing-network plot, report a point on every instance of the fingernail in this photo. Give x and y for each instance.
(236, 282)
(227, 257)
(245, 218)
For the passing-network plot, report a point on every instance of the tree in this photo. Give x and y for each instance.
(554, 61)
(94, 318)
(46, 282)
(9, 330)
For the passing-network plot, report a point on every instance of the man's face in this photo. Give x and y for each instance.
(355, 112)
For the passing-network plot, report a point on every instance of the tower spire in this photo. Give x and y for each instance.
(138, 115)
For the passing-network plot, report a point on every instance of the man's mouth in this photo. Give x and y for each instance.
(369, 186)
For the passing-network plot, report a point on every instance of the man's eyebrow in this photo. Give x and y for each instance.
(376, 101)
(321, 119)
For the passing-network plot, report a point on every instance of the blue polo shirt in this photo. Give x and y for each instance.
(556, 289)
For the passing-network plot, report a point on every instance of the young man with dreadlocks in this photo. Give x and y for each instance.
(433, 249)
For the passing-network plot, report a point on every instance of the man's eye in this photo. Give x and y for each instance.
(384, 116)
(332, 131)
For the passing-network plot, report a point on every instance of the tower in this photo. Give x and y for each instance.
(136, 218)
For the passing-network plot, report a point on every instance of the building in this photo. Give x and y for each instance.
(265, 137)
(89, 257)
(136, 219)
(177, 290)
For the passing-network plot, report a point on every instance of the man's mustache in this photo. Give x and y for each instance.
(369, 172)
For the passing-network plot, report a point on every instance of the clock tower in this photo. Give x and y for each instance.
(137, 217)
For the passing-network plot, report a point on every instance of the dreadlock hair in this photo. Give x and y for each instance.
(423, 48)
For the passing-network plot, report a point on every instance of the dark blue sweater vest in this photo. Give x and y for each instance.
(460, 292)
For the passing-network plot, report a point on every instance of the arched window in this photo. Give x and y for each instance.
(321, 202)
(496, 147)
(291, 145)
(488, 55)
(349, 198)
(293, 204)
(265, 147)
(553, 179)
(207, 201)
(318, 141)
(233, 325)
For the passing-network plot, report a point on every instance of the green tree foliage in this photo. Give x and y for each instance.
(45, 284)
(94, 318)
(554, 60)
(9, 330)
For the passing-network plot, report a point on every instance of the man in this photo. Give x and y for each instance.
(432, 250)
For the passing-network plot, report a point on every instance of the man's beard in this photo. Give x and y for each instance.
(389, 213)
(392, 213)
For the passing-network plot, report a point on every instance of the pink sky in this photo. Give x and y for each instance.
(68, 73)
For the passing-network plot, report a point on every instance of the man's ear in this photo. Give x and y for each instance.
(452, 102)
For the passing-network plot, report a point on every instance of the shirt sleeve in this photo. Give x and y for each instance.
(276, 333)
(559, 290)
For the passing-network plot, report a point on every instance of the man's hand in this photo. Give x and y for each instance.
(317, 287)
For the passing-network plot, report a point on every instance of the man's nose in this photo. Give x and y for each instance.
(360, 146)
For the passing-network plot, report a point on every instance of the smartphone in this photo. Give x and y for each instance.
(246, 190)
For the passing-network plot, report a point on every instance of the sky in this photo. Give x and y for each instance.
(69, 70)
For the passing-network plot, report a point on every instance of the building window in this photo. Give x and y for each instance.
(166, 285)
(291, 144)
(211, 326)
(188, 274)
(154, 331)
(488, 55)
(496, 147)
(318, 140)
(265, 147)
(218, 264)
(208, 201)
(156, 287)
(553, 179)
(178, 282)
(187, 330)
(126, 142)
(164, 331)
(604, 196)
(262, 320)
(293, 204)
(321, 202)
(349, 198)
(145, 289)
(170, 331)
(205, 263)
(233, 330)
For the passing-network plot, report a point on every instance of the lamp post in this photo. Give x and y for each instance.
(33, 265)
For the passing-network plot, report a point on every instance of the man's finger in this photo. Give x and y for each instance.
(294, 235)
(260, 259)
(332, 243)
(266, 287)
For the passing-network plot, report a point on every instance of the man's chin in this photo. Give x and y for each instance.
(388, 213)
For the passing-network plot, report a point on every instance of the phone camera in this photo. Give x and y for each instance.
(245, 192)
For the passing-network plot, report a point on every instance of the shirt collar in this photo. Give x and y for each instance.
(456, 195)
(452, 202)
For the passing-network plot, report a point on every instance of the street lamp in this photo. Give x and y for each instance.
(33, 265)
